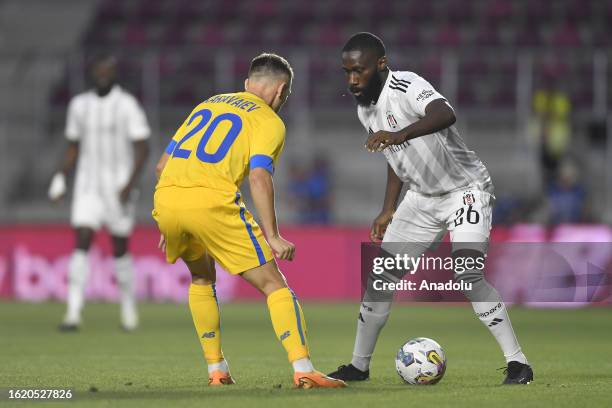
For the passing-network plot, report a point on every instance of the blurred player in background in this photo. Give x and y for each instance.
(449, 189)
(107, 134)
(202, 217)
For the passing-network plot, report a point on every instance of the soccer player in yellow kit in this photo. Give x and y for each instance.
(202, 218)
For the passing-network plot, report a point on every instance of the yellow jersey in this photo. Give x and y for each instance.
(223, 138)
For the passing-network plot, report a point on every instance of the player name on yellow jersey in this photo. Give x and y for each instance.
(234, 100)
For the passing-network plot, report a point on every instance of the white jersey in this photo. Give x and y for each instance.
(434, 164)
(105, 128)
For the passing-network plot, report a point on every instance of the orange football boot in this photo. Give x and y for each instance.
(316, 379)
(219, 377)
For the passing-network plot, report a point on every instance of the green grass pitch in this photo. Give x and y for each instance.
(161, 364)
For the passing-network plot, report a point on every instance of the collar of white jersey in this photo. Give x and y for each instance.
(383, 91)
(115, 90)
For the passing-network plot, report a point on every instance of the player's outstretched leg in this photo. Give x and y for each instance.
(289, 325)
(491, 310)
(206, 319)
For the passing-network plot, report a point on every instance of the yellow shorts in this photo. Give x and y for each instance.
(199, 220)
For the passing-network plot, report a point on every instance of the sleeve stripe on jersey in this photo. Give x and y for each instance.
(171, 146)
(261, 160)
(402, 81)
(398, 85)
(397, 88)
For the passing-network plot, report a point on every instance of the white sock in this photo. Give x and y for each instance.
(372, 318)
(303, 365)
(495, 316)
(220, 366)
(78, 270)
(125, 278)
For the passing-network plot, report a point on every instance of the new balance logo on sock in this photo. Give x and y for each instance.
(285, 335)
(208, 335)
(361, 318)
(495, 321)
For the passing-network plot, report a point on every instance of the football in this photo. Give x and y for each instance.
(421, 361)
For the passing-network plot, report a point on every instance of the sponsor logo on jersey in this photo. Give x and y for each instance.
(468, 198)
(424, 95)
(391, 120)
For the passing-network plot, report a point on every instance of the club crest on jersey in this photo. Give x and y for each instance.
(468, 198)
(391, 120)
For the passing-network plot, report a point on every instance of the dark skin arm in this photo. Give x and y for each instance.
(70, 157)
(141, 152)
(438, 115)
(392, 193)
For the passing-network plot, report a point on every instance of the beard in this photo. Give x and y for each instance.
(104, 89)
(371, 92)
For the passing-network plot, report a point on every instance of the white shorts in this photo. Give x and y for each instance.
(90, 210)
(422, 221)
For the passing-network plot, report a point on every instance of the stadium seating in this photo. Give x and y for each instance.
(179, 27)
(196, 48)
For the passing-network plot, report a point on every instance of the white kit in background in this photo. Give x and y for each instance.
(105, 128)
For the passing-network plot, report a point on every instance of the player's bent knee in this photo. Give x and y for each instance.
(203, 271)
(266, 278)
(476, 287)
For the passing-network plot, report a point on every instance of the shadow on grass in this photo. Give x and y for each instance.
(249, 392)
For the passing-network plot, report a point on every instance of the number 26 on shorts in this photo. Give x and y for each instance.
(471, 216)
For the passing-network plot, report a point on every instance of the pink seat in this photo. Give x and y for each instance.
(578, 10)
(184, 95)
(527, 37)
(505, 96)
(460, 10)
(537, 10)
(409, 35)
(566, 36)
(265, 9)
(499, 9)
(174, 34)
(111, 10)
(135, 34)
(329, 35)
(447, 36)
(487, 35)
(211, 34)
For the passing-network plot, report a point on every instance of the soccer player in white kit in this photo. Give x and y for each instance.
(107, 134)
(449, 189)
